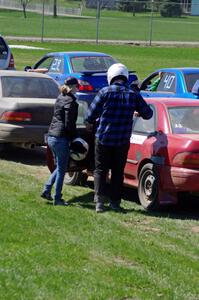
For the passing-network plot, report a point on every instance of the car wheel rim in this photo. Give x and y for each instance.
(149, 185)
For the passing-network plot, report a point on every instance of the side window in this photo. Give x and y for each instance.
(145, 126)
(46, 63)
(3, 49)
(167, 83)
(148, 82)
(57, 65)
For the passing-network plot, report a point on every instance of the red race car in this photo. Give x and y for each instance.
(163, 158)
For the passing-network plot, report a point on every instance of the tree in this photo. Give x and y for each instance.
(132, 5)
(171, 8)
(55, 9)
(24, 3)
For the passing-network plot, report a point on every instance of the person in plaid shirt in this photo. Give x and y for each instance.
(112, 110)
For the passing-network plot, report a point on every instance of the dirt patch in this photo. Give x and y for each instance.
(195, 229)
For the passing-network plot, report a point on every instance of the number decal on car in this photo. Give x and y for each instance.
(168, 80)
(137, 139)
(56, 65)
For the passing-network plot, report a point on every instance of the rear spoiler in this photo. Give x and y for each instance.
(90, 73)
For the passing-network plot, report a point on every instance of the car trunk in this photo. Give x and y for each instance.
(39, 110)
(98, 80)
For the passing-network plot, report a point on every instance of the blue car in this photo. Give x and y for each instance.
(172, 82)
(88, 67)
(6, 56)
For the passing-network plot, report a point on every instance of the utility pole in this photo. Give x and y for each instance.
(55, 9)
(97, 20)
(151, 24)
(42, 23)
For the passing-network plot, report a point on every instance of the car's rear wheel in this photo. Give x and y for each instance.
(75, 178)
(148, 188)
(3, 147)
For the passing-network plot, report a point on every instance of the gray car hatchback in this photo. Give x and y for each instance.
(6, 56)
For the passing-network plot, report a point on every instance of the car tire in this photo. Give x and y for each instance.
(148, 187)
(3, 147)
(75, 178)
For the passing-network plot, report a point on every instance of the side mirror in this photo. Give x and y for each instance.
(27, 68)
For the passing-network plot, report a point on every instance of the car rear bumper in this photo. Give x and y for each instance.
(87, 97)
(179, 179)
(33, 134)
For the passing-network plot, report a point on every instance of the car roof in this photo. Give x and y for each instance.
(181, 69)
(80, 53)
(13, 73)
(173, 101)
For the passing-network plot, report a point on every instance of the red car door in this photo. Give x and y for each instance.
(142, 138)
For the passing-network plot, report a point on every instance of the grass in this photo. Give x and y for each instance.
(120, 26)
(70, 252)
(142, 59)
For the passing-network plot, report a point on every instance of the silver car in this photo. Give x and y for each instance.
(6, 56)
(26, 107)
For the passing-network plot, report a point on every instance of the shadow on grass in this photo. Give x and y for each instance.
(87, 201)
(33, 157)
(186, 209)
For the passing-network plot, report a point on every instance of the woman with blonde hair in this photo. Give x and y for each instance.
(61, 132)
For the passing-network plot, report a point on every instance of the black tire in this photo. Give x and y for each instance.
(3, 147)
(75, 178)
(148, 187)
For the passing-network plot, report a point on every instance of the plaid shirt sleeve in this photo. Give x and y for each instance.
(143, 108)
(95, 108)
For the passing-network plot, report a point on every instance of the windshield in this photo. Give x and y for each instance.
(190, 79)
(184, 119)
(29, 87)
(91, 63)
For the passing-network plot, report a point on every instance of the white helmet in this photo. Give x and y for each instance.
(78, 149)
(117, 70)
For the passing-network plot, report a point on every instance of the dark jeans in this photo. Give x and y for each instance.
(113, 158)
(60, 149)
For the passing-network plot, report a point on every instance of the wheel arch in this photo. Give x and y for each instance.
(143, 162)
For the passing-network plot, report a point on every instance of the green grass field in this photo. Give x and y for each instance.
(57, 253)
(113, 26)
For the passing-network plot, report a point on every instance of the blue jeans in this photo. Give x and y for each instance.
(60, 149)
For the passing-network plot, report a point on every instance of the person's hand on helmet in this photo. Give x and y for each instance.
(136, 114)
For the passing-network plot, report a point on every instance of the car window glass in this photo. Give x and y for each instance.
(57, 65)
(184, 119)
(29, 87)
(167, 83)
(46, 63)
(91, 63)
(145, 126)
(152, 83)
(3, 49)
(190, 80)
